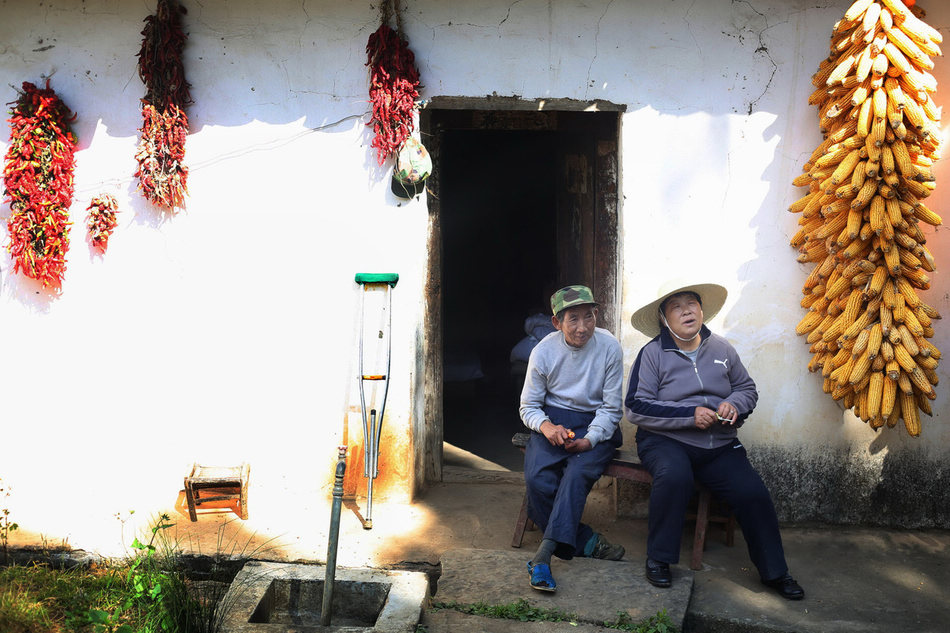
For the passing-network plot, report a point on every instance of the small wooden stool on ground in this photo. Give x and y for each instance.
(221, 482)
(626, 465)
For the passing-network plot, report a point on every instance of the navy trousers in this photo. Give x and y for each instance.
(727, 473)
(557, 482)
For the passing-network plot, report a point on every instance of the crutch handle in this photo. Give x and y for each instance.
(377, 278)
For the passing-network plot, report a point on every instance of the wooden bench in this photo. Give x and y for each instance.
(626, 465)
(224, 483)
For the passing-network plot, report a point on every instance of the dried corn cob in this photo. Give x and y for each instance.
(860, 220)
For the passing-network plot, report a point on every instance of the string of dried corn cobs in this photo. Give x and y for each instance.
(860, 220)
(162, 174)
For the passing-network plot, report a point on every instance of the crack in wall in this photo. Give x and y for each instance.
(480, 26)
(689, 27)
(588, 83)
(762, 48)
(508, 14)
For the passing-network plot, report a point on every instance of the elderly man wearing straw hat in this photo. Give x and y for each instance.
(688, 394)
(572, 403)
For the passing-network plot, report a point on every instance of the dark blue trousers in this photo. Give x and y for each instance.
(557, 482)
(727, 473)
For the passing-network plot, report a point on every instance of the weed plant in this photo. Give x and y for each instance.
(659, 623)
(6, 525)
(169, 597)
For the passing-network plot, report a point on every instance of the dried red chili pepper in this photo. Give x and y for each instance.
(393, 89)
(101, 221)
(163, 177)
(161, 170)
(38, 177)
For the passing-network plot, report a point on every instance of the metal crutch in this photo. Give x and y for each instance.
(373, 426)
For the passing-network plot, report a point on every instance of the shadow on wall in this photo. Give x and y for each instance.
(831, 466)
(879, 485)
(748, 129)
(303, 66)
(242, 74)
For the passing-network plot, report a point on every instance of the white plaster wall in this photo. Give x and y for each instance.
(717, 183)
(228, 331)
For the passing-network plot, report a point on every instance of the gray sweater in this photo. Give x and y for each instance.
(587, 379)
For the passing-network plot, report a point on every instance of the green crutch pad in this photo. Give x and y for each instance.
(377, 278)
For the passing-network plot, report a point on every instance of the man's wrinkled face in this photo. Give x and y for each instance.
(577, 324)
(684, 314)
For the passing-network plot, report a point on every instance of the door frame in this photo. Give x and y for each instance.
(512, 113)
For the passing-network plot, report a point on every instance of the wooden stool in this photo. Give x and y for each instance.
(222, 482)
(626, 465)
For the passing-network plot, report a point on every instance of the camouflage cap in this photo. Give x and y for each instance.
(571, 296)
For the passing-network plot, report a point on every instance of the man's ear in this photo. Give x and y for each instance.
(556, 323)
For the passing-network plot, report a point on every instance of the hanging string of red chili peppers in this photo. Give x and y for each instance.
(101, 221)
(38, 177)
(394, 83)
(162, 174)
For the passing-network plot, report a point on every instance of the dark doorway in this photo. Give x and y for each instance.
(521, 203)
(499, 263)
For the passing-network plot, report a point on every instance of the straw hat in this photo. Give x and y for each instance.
(646, 319)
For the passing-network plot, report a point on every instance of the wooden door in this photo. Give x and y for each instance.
(587, 209)
(587, 229)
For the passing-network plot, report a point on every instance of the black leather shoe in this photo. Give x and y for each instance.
(786, 587)
(658, 574)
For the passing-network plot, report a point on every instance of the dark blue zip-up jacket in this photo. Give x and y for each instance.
(666, 387)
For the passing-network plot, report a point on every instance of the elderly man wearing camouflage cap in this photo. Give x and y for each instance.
(571, 401)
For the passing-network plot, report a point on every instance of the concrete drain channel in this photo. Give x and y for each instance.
(277, 597)
(290, 597)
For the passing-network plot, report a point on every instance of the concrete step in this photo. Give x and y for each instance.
(594, 591)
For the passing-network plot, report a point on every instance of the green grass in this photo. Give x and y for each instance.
(524, 612)
(38, 599)
(519, 610)
(124, 598)
(148, 592)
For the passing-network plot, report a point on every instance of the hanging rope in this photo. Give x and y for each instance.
(388, 9)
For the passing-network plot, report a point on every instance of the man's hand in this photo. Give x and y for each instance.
(557, 435)
(704, 418)
(727, 413)
(577, 446)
